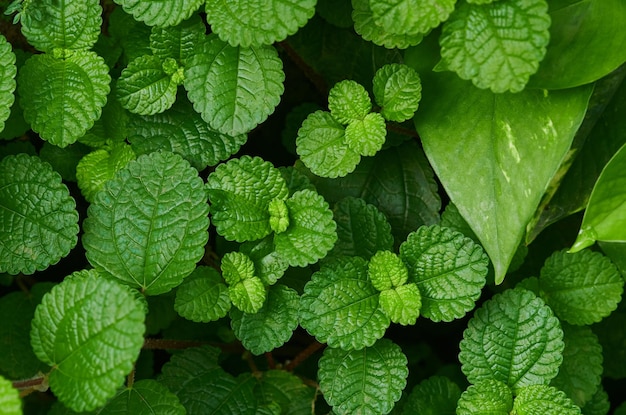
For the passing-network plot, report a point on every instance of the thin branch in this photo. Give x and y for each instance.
(270, 360)
(29, 383)
(401, 130)
(303, 355)
(315, 78)
(165, 344)
(250, 360)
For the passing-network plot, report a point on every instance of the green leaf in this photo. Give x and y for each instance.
(269, 266)
(341, 291)
(64, 24)
(366, 136)
(497, 45)
(335, 12)
(605, 216)
(366, 26)
(236, 267)
(448, 268)
(513, 338)
(581, 371)
(39, 217)
(510, 144)
(145, 88)
(182, 131)
(248, 295)
(110, 128)
(9, 398)
(599, 404)
(312, 232)
(401, 304)
(99, 166)
(321, 145)
(254, 23)
(234, 88)
(589, 27)
(81, 320)
(410, 17)
(486, 397)
(240, 192)
(160, 13)
(581, 288)
(202, 297)
(397, 90)
(367, 381)
(286, 389)
(279, 215)
(543, 400)
(270, 327)
(436, 395)
(348, 101)
(177, 42)
(362, 230)
(611, 336)
(148, 225)
(386, 270)
(62, 97)
(64, 160)
(8, 70)
(145, 397)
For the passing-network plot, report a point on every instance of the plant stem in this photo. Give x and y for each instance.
(270, 360)
(303, 355)
(315, 78)
(28, 383)
(165, 344)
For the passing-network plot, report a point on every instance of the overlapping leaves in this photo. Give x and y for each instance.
(144, 397)
(7, 80)
(160, 13)
(203, 296)
(410, 17)
(99, 166)
(366, 26)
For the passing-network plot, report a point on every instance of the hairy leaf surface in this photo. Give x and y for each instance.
(435, 395)
(160, 13)
(99, 166)
(38, 217)
(202, 297)
(81, 320)
(367, 381)
(486, 397)
(148, 226)
(10, 401)
(145, 397)
(8, 70)
(411, 16)
(397, 90)
(366, 26)
(543, 400)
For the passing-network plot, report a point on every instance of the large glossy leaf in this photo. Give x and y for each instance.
(160, 13)
(81, 320)
(593, 28)
(234, 88)
(63, 96)
(39, 221)
(8, 71)
(146, 397)
(9, 398)
(509, 145)
(148, 226)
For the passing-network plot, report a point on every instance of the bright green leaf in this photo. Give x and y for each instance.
(510, 146)
(160, 13)
(202, 297)
(8, 70)
(236, 267)
(81, 320)
(401, 304)
(410, 17)
(146, 397)
(65, 24)
(340, 306)
(366, 136)
(287, 390)
(269, 266)
(148, 225)
(486, 397)
(322, 146)
(366, 26)
(436, 395)
(367, 381)
(543, 400)
(10, 403)
(248, 295)
(397, 90)
(234, 88)
(240, 192)
(253, 23)
(348, 101)
(62, 97)
(497, 45)
(39, 217)
(272, 325)
(99, 166)
(386, 270)
(581, 288)
(312, 232)
(513, 338)
(448, 268)
(177, 42)
(279, 215)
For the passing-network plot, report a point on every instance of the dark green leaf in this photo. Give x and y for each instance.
(8, 70)
(146, 397)
(436, 395)
(100, 166)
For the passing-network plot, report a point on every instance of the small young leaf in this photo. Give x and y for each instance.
(362, 230)
(160, 13)
(99, 166)
(366, 26)
(279, 215)
(202, 297)
(448, 268)
(272, 325)
(435, 395)
(240, 192)
(64, 24)
(177, 42)
(248, 295)
(254, 23)
(145, 88)
(386, 270)
(234, 88)
(410, 17)
(581, 288)
(236, 267)
(145, 397)
(513, 338)
(34, 235)
(81, 320)
(63, 97)
(8, 70)
(348, 101)
(312, 233)
(543, 400)
(497, 45)
(401, 304)
(341, 292)
(148, 225)
(9, 398)
(269, 266)
(397, 90)
(366, 136)
(367, 381)
(322, 147)
(486, 397)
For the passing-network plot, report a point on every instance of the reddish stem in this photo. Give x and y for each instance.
(303, 355)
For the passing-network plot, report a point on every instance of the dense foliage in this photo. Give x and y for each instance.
(312, 207)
